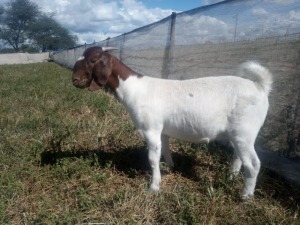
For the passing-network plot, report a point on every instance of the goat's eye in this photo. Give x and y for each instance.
(93, 60)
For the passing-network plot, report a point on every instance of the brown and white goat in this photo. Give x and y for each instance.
(196, 110)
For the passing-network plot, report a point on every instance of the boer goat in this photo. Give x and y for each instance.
(196, 110)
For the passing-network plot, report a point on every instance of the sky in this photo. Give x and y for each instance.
(96, 20)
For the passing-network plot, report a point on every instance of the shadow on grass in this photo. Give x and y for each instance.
(133, 162)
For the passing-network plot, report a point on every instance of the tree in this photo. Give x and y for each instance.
(48, 34)
(22, 23)
(15, 20)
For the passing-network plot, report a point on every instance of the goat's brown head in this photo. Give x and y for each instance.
(93, 69)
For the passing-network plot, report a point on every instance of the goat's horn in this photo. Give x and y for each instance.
(108, 48)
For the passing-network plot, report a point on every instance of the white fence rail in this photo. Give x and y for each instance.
(23, 58)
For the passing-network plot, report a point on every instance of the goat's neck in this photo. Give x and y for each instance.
(119, 71)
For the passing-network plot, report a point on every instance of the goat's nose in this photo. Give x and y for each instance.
(75, 80)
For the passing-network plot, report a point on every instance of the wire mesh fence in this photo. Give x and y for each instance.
(213, 41)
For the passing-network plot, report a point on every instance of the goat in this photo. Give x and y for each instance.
(195, 110)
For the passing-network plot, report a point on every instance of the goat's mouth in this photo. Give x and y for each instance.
(81, 83)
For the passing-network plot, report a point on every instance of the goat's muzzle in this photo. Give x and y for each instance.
(80, 83)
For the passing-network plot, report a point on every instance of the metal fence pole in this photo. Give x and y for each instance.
(122, 47)
(169, 50)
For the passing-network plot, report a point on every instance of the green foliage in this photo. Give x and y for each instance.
(48, 34)
(70, 156)
(15, 21)
(21, 21)
(28, 48)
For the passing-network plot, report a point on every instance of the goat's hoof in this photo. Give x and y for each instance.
(232, 177)
(153, 188)
(247, 197)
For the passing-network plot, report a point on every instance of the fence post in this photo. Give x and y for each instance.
(107, 42)
(169, 50)
(122, 47)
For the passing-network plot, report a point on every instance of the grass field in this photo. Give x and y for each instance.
(69, 156)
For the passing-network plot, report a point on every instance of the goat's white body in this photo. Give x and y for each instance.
(193, 110)
(200, 110)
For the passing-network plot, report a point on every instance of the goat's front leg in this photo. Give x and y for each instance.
(154, 153)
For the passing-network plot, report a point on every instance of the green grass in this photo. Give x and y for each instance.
(70, 156)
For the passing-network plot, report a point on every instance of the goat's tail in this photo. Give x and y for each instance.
(258, 74)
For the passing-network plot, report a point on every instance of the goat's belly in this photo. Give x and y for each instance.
(192, 135)
(195, 126)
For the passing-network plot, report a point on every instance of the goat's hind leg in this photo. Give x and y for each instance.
(236, 165)
(251, 163)
(166, 151)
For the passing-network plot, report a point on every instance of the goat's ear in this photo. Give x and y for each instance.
(102, 69)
